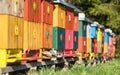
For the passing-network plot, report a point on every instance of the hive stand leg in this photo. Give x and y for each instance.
(81, 56)
(24, 56)
(66, 64)
(5, 74)
(53, 65)
(3, 58)
(40, 55)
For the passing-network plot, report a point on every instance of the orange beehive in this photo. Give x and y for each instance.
(46, 36)
(32, 10)
(75, 23)
(81, 44)
(47, 12)
(69, 18)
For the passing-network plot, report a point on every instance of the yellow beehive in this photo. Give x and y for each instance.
(99, 35)
(89, 45)
(105, 47)
(11, 32)
(11, 39)
(31, 35)
(59, 16)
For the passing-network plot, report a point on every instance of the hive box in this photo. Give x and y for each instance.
(32, 10)
(69, 18)
(11, 32)
(68, 39)
(31, 35)
(99, 35)
(106, 37)
(81, 44)
(88, 31)
(95, 46)
(58, 42)
(12, 7)
(94, 32)
(75, 40)
(59, 16)
(46, 36)
(89, 46)
(82, 28)
(47, 12)
(105, 47)
(75, 23)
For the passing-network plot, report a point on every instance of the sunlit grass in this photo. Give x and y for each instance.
(110, 68)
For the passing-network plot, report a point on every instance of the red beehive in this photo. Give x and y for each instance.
(32, 10)
(81, 44)
(47, 12)
(75, 23)
(69, 39)
(69, 18)
(95, 46)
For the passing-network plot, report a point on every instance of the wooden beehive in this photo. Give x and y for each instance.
(59, 16)
(47, 12)
(75, 23)
(11, 32)
(75, 40)
(12, 7)
(81, 44)
(68, 39)
(82, 28)
(31, 35)
(46, 36)
(58, 38)
(32, 10)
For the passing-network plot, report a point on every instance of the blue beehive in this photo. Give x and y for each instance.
(94, 31)
(106, 36)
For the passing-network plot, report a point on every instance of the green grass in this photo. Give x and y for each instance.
(110, 68)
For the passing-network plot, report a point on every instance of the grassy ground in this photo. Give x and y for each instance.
(110, 68)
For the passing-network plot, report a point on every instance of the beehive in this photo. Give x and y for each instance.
(58, 42)
(69, 18)
(46, 36)
(106, 37)
(32, 10)
(89, 45)
(81, 44)
(105, 47)
(75, 27)
(82, 28)
(59, 16)
(47, 12)
(75, 40)
(12, 7)
(31, 35)
(94, 31)
(88, 32)
(11, 32)
(68, 39)
(95, 46)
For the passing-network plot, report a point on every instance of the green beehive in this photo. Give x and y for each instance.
(82, 28)
(58, 38)
(75, 40)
